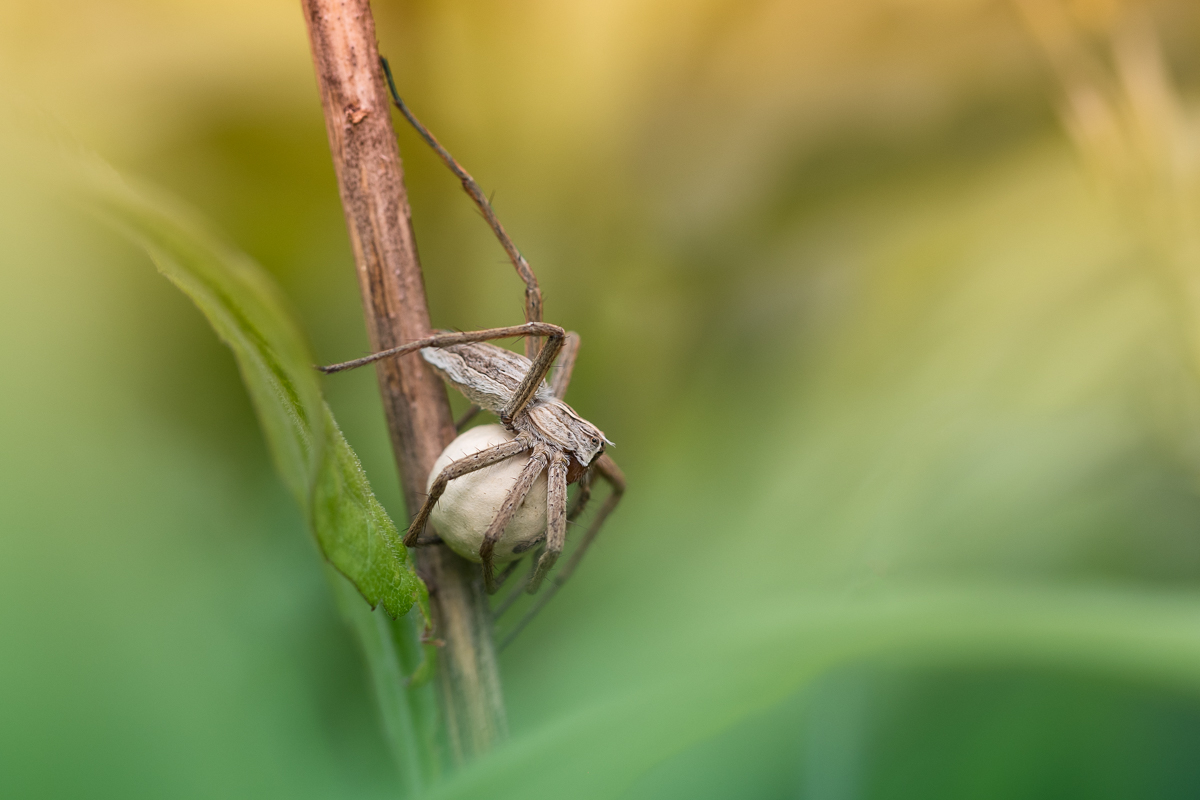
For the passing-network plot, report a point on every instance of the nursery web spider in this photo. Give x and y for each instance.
(560, 442)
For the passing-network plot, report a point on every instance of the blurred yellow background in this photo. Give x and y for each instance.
(890, 307)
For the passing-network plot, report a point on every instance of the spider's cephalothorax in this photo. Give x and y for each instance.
(549, 435)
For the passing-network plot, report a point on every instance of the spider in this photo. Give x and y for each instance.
(557, 440)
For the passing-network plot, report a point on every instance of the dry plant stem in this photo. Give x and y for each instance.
(370, 180)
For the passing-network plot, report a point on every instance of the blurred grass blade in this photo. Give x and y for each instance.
(757, 663)
(249, 314)
(409, 706)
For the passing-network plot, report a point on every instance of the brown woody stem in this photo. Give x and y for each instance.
(371, 182)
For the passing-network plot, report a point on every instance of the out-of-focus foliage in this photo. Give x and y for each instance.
(886, 304)
(310, 453)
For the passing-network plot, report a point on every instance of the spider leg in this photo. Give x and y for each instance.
(551, 332)
(584, 495)
(556, 519)
(456, 469)
(565, 365)
(517, 591)
(516, 496)
(533, 294)
(537, 373)
(611, 473)
(505, 573)
(577, 508)
(529, 384)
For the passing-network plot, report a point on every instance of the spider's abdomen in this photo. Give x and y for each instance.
(486, 375)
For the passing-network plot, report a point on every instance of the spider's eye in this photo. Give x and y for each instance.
(595, 440)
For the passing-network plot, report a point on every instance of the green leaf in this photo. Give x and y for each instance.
(372, 556)
(249, 314)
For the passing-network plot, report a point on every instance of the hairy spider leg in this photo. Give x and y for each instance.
(556, 518)
(565, 365)
(456, 469)
(533, 294)
(608, 470)
(561, 380)
(517, 591)
(584, 495)
(516, 496)
(507, 571)
(577, 508)
(529, 385)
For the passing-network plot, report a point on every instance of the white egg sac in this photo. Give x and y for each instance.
(469, 504)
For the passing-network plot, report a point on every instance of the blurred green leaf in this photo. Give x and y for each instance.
(746, 666)
(409, 705)
(250, 315)
(899, 341)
